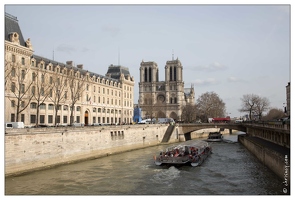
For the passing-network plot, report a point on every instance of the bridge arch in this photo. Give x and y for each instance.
(187, 129)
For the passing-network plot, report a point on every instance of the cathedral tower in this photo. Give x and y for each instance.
(162, 99)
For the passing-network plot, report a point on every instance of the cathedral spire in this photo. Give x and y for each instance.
(172, 54)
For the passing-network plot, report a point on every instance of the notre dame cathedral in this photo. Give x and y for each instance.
(161, 99)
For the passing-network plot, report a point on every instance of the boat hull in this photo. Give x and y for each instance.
(194, 159)
(214, 140)
(214, 137)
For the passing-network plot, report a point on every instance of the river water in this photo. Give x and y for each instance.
(230, 170)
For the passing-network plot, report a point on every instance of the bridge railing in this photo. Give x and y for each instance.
(271, 124)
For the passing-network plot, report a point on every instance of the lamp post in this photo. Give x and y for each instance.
(285, 108)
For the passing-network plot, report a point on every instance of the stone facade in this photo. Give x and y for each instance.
(46, 92)
(163, 98)
(288, 95)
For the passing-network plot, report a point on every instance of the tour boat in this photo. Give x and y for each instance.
(214, 137)
(190, 152)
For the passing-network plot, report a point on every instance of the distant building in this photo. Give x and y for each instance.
(50, 92)
(163, 99)
(288, 95)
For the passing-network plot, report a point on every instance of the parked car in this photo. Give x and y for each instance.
(14, 125)
(96, 124)
(77, 124)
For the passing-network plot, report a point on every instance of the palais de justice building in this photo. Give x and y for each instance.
(51, 92)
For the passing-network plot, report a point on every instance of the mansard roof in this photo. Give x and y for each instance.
(82, 71)
(11, 25)
(115, 71)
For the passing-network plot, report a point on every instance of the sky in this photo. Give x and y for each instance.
(231, 50)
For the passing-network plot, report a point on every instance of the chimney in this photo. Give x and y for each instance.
(70, 63)
(80, 66)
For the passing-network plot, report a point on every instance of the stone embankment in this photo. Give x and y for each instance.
(32, 149)
(275, 157)
(28, 150)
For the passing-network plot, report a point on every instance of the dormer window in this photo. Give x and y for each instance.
(14, 37)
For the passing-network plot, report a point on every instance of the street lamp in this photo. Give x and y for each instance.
(285, 108)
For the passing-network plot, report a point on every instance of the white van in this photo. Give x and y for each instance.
(165, 120)
(77, 124)
(14, 125)
(145, 121)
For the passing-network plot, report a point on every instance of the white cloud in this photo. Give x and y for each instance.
(234, 79)
(208, 81)
(215, 66)
(66, 48)
(111, 29)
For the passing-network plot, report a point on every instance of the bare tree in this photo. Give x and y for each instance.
(8, 69)
(254, 104)
(189, 113)
(40, 89)
(76, 88)
(210, 105)
(57, 93)
(261, 106)
(20, 85)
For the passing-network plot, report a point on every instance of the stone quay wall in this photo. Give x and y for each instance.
(28, 150)
(270, 158)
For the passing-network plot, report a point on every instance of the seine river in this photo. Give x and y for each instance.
(230, 170)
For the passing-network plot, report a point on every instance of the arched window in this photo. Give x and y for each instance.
(65, 107)
(12, 103)
(33, 105)
(50, 107)
(42, 106)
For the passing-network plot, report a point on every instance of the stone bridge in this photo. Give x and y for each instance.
(277, 133)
